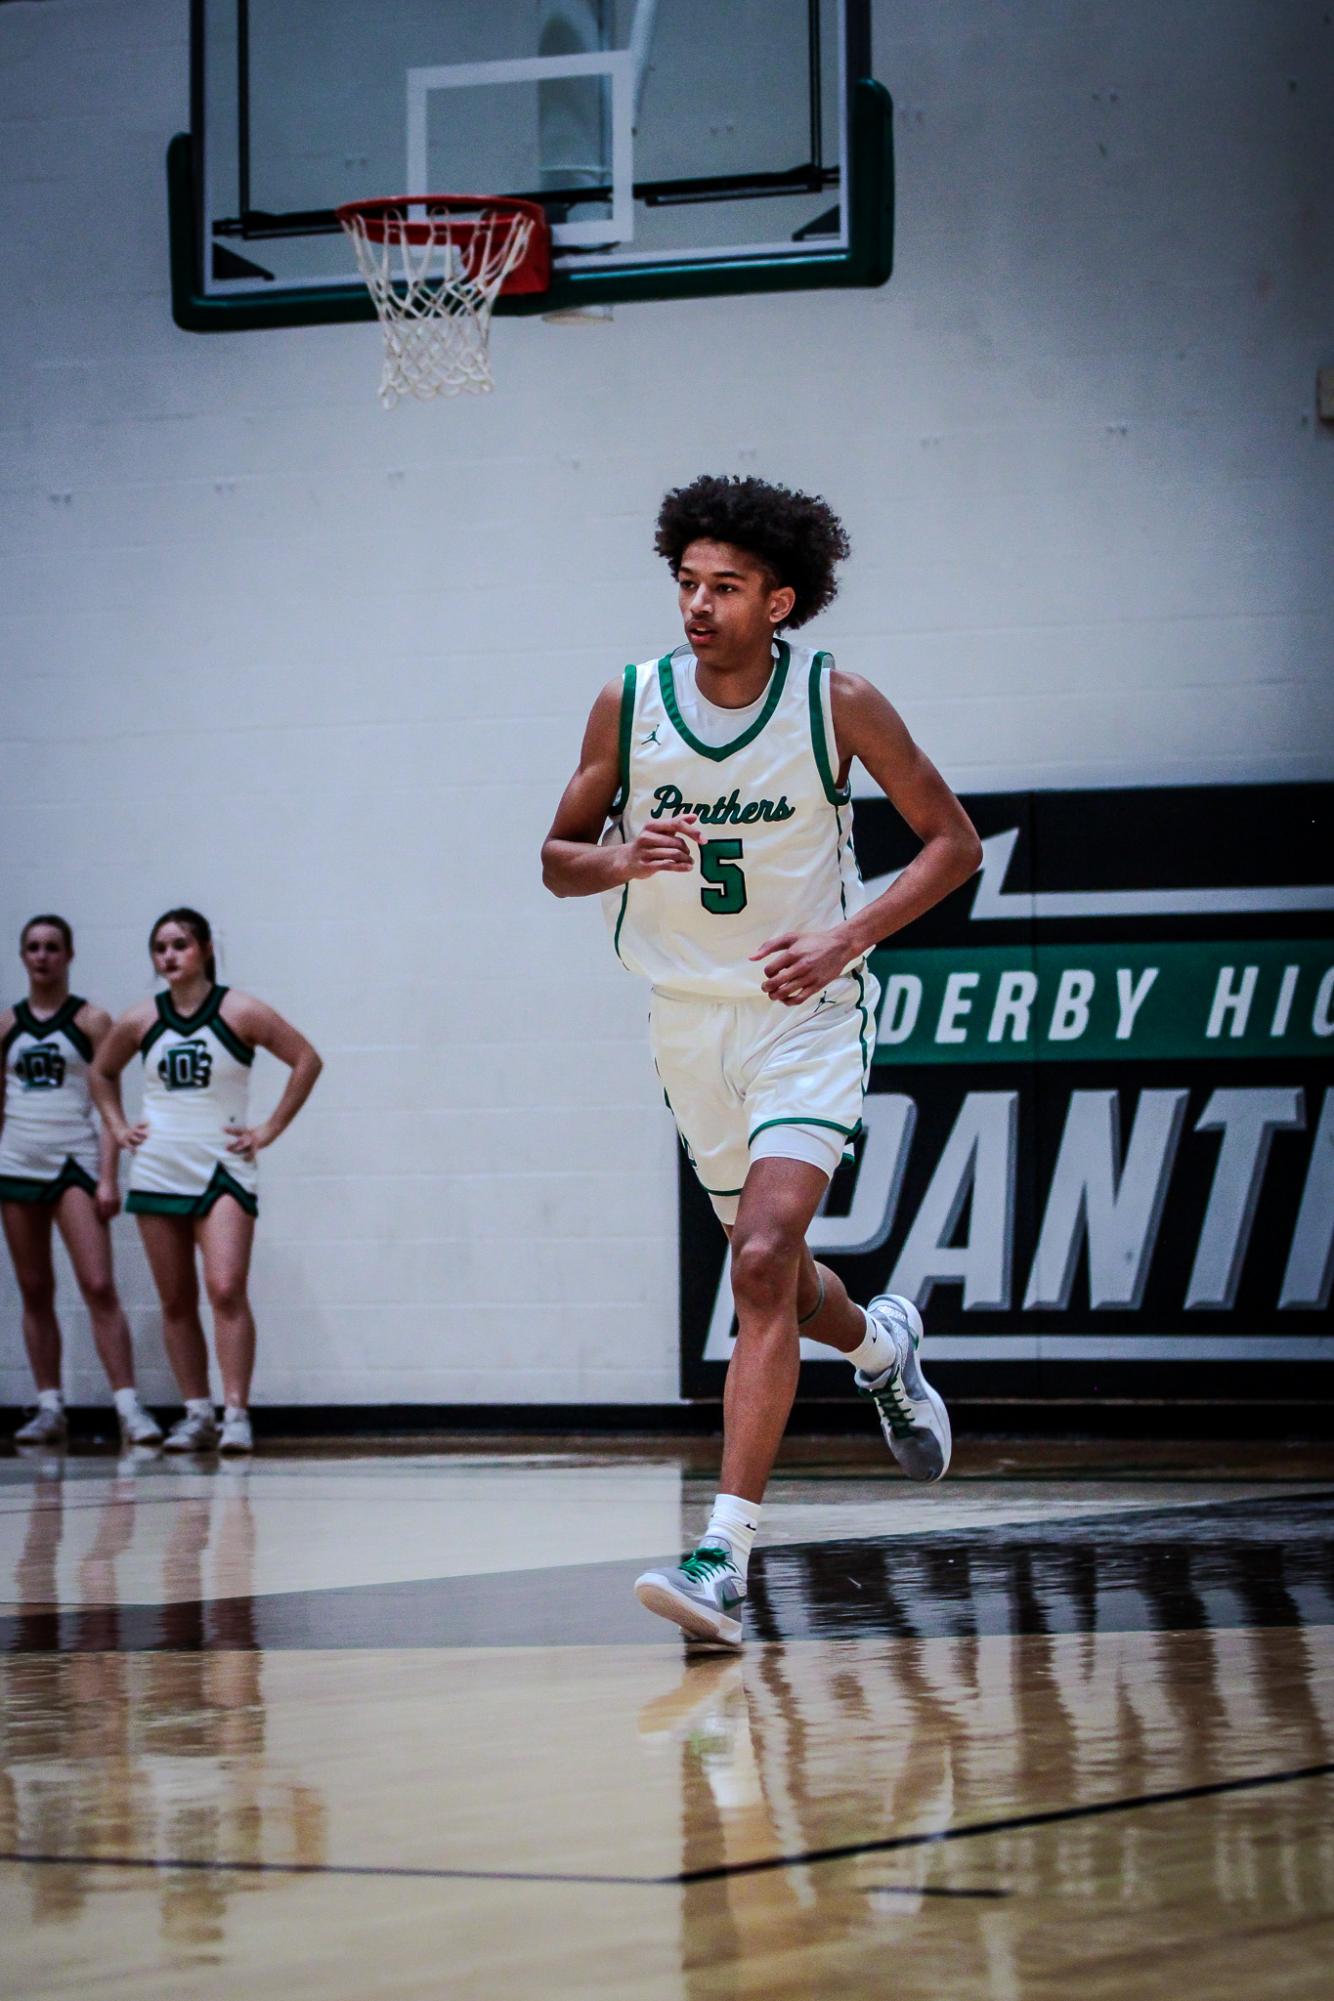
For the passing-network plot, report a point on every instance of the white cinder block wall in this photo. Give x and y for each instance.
(322, 671)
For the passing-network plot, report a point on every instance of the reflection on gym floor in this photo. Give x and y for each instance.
(998, 1751)
(167, 1749)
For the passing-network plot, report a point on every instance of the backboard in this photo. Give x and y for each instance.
(679, 147)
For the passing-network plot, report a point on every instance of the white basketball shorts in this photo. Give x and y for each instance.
(753, 1079)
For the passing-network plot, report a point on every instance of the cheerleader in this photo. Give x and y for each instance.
(55, 1169)
(193, 1179)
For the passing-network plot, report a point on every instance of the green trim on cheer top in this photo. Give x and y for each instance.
(60, 1023)
(206, 1015)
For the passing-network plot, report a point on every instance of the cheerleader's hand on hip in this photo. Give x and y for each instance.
(247, 1140)
(132, 1137)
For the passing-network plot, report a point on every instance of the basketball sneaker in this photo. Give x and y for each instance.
(46, 1426)
(236, 1434)
(704, 1596)
(912, 1416)
(138, 1427)
(197, 1431)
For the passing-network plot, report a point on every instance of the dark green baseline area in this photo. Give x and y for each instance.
(1258, 1563)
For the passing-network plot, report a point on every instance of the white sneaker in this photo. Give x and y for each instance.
(139, 1427)
(45, 1427)
(236, 1433)
(193, 1433)
(912, 1416)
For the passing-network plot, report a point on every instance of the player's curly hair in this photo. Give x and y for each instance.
(797, 536)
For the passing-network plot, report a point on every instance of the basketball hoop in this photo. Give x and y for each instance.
(435, 266)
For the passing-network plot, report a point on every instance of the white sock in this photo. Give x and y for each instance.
(877, 1352)
(199, 1406)
(127, 1401)
(50, 1400)
(732, 1526)
(234, 1410)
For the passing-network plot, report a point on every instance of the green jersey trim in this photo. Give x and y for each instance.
(18, 1188)
(620, 919)
(718, 751)
(60, 1023)
(231, 1040)
(628, 686)
(206, 1015)
(143, 1202)
(836, 794)
(848, 1132)
(866, 1024)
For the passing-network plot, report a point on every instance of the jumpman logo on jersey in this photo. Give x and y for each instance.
(824, 1001)
(652, 737)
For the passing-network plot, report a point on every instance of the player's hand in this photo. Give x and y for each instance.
(802, 964)
(107, 1200)
(247, 1140)
(131, 1138)
(663, 848)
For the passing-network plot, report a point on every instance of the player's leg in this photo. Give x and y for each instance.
(912, 1415)
(778, 1202)
(804, 1092)
(88, 1241)
(881, 1341)
(779, 1197)
(226, 1237)
(169, 1245)
(27, 1227)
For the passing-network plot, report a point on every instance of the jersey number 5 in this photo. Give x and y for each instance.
(720, 866)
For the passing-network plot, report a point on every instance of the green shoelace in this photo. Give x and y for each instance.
(701, 1564)
(891, 1399)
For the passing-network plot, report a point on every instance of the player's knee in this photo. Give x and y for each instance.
(99, 1296)
(226, 1294)
(764, 1268)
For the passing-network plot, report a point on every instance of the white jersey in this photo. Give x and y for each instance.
(776, 826)
(50, 1132)
(196, 1084)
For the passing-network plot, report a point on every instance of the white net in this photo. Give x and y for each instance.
(434, 275)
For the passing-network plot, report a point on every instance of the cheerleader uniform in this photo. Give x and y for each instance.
(196, 1083)
(49, 1142)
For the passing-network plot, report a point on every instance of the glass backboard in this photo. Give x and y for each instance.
(678, 146)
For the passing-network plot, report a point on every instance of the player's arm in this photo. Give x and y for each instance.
(573, 864)
(262, 1026)
(868, 727)
(112, 1053)
(95, 1023)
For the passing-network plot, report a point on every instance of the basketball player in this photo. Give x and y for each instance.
(730, 883)
(54, 1168)
(193, 1182)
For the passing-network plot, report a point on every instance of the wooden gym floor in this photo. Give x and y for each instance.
(354, 1723)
